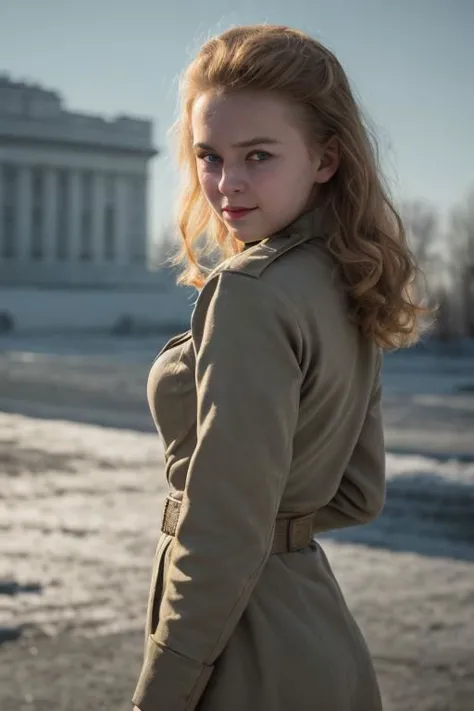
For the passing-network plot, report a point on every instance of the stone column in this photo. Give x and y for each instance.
(51, 213)
(141, 223)
(98, 218)
(146, 221)
(23, 213)
(2, 204)
(122, 210)
(139, 206)
(74, 222)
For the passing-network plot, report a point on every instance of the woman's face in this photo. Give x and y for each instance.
(253, 163)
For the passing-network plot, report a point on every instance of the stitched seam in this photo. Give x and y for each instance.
(291, 307)
(193, 689)
(176, 340)
(165, 648)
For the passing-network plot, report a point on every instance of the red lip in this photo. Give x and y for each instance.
(237, 211)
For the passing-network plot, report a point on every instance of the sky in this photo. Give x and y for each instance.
(411, 64)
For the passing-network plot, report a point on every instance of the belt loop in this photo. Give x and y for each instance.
(170, 516)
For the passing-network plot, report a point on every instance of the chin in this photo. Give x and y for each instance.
(246, 232)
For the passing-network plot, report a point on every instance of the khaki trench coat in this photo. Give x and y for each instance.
(268, 407)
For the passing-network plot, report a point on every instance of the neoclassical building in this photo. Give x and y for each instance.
(73, 191)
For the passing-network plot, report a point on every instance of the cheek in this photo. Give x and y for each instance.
(295, 178)
(275, 180)
(267, 178)
(209, 183)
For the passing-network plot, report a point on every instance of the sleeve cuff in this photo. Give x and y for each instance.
(169, 681)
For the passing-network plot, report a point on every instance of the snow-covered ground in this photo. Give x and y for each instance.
(80, 504)
(80, 510)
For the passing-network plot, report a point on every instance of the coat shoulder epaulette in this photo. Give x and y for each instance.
(256, 259)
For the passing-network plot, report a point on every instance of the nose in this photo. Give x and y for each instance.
(232, 181)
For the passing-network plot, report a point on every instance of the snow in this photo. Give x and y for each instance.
(73, 501)
(81, 503)
(80, 510)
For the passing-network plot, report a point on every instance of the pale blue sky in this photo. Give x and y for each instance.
(411, 63)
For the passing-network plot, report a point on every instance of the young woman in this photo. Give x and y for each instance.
(269, 406)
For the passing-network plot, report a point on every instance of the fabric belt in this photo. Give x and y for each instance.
(291, 534)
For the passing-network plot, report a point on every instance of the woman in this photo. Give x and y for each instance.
(269, 406)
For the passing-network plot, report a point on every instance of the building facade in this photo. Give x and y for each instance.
(73, 192)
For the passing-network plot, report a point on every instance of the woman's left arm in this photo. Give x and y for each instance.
(361, 493)
(248, 387)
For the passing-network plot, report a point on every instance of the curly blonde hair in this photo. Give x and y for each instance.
(368, 239)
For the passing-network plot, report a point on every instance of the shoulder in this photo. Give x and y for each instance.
(238, 298)
(290, 273)
(263, 269)
(285, 273)
(239, 290)
(286, 257)
(256, 260)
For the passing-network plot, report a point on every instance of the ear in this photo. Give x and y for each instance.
(329, 159)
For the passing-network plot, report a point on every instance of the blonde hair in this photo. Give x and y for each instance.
(368, 239)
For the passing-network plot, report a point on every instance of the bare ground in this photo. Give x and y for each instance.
(68, 673)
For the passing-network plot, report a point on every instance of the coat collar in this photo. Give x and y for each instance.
(254, 259)
(307, 226)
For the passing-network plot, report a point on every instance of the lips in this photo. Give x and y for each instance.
(237, 211)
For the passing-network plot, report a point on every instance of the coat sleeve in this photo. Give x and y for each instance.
(361, 494)
(248, 379)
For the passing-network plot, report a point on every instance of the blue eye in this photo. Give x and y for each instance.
(259, 156)
(210, 158)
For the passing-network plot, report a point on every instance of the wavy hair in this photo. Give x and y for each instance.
(367, 238)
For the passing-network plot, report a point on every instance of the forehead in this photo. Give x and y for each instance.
(241, 116)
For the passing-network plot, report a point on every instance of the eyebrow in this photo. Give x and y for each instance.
(242, 144)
